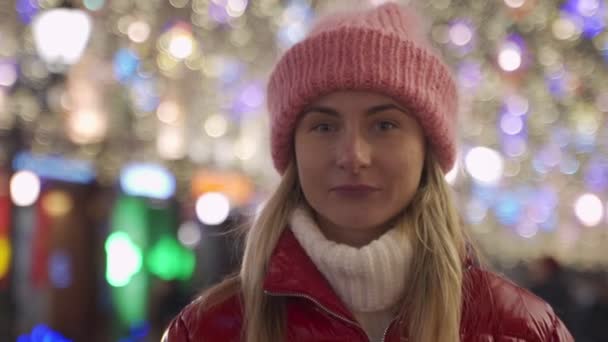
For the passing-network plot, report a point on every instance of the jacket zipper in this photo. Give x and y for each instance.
(387, 329)
(342, 318)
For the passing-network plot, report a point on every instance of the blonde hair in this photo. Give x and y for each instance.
(431, 309)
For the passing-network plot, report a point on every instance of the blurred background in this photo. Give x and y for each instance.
(133, 138)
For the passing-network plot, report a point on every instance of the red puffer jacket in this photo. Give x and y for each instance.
(494, 309)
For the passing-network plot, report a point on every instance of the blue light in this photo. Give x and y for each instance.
(232, 71)
(147, 180)
(508, 210)
(144, 93)
(299, 14)
(42, 333)
(55, 167)
(60, 269)
(125, 64)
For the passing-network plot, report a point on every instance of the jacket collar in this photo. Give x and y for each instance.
(291, 272)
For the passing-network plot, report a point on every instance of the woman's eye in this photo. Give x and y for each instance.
(322, 128)
(386, 125)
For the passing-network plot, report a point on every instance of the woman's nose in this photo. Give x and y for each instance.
(354, 153)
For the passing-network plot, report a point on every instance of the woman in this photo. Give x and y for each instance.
(361, 240)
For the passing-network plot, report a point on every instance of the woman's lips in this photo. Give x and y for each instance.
(354, 190)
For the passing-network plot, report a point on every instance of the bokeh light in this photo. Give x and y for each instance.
(25, 188)
(589, 209)
(509, 57)
(189, 234)
(212, 208)
(61, 35)
(57, 203)
(148, 180)
(123, 259)
(484, 165)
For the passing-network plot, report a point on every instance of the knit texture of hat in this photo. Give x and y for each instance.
(380, 50)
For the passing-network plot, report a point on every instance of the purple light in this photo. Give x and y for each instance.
(253, 96)
(8, 73)
(557, 84)
(550, 155)
(27, 10)
(514, 146)
(511, 124)
(469, 74)
(596, 174)
(218, 12)
(462, 36)
(591, 14)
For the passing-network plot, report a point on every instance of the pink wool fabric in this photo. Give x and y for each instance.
(383, 50)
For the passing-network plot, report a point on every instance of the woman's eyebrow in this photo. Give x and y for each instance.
(383, 107)
(370, 111)
(320, 109)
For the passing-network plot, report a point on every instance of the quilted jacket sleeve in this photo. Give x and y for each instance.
(176, 331)
(560, 333)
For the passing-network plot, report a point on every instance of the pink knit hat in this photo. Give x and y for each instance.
(381, 50)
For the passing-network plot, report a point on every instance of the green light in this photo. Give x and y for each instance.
(169, 260)
(5, 256)
(93, 5)
(123, 259)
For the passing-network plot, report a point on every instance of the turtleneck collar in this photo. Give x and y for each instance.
(367, 279)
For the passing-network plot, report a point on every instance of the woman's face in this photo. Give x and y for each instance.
(359, 159)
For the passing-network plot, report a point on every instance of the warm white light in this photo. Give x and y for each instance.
(25, 188)
(236, 8)
(216, 126)
(168, 112)
(2, 102)
(138, 31)
(245, 148)
(181, 45)
(450, 177)
(189, 234)
(460, 34)
(564, 28)
(61, 35)
(517, 104)
(589, 210)
(509, 57)
(514, 3)
(484, 165)
(171, 142)
(87, 126)
(212, 208)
